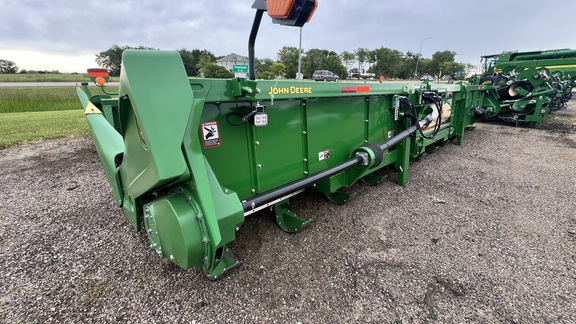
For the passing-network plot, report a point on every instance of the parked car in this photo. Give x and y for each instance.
(324, 75)
(427, 77)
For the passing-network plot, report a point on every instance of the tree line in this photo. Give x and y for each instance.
(386, 62)
(361, 63)
(196, 62)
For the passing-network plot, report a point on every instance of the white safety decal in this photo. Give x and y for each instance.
(210, 134)
(323, 155)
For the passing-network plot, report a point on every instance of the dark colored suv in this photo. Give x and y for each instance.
(324, 75)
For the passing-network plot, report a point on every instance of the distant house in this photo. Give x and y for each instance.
(229, 61)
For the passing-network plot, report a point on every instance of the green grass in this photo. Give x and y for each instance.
(28, 114)
(48, 78)
(13, 100)
(29, 126)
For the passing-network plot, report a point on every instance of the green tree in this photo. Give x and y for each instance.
(213, 70)
(263, 68)
(313, 60)
(317, 59)
(8, 67)
(451, 69)
(278, 69)
(266, 75)
(407, 71)
(111, 59)
(192, 58)
(372, 58)
(388, 62)
(362, 55)
(209, 69)
(288, 55)
(425, 66)
(334, 63)
(347, 60)
(439, 58)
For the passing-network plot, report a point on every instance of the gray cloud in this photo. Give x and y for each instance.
(470, 28)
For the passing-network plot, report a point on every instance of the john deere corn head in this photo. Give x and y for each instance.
(530, 85)
(560, 60)
(189, 158)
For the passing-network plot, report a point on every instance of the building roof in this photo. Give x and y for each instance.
(233, 58)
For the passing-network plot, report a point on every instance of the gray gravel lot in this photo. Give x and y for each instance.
(483, 233)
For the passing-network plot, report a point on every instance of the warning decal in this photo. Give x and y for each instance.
(210, 134)
(323, 155)
(91, 109)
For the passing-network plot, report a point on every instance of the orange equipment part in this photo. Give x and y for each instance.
(279, 8)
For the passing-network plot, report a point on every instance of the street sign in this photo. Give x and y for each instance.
(240, 68)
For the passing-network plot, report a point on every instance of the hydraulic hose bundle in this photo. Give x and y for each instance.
(430, 97)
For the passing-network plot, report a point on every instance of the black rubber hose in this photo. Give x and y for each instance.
(478, 112)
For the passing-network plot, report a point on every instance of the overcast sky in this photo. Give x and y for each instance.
(65, 35)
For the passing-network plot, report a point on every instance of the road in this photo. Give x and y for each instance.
(44, 84)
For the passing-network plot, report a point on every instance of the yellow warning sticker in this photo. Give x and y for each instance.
(91, 109)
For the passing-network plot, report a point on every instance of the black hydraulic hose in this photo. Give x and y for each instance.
(270, 196)
(409, 131)
(399, 138)
(252, 42)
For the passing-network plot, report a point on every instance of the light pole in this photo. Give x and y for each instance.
(300, 57)
(418, 57)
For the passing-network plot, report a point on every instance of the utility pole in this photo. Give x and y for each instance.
(418, 57)
(300, 57)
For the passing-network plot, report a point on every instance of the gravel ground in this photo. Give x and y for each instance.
(483, 233)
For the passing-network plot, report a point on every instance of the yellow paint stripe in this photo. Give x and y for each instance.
(91, 109)
(559, 66)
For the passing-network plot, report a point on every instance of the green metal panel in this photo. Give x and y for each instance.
(380, 119)
(109, 145)
(230, 161)
(278, 147)
(158, 113)
(335, 130)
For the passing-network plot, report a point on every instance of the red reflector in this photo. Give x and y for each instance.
(97, 72)
(352, 89)
(480, 88)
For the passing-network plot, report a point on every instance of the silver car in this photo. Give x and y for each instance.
(324, 75)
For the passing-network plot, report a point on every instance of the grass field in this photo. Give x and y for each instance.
(29, 126)
(14, 100)
(28, 114)
(47, 78)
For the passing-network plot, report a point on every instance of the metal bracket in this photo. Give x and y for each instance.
(339, 197)
(226, 262)
(288, 221)
(372, 179)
